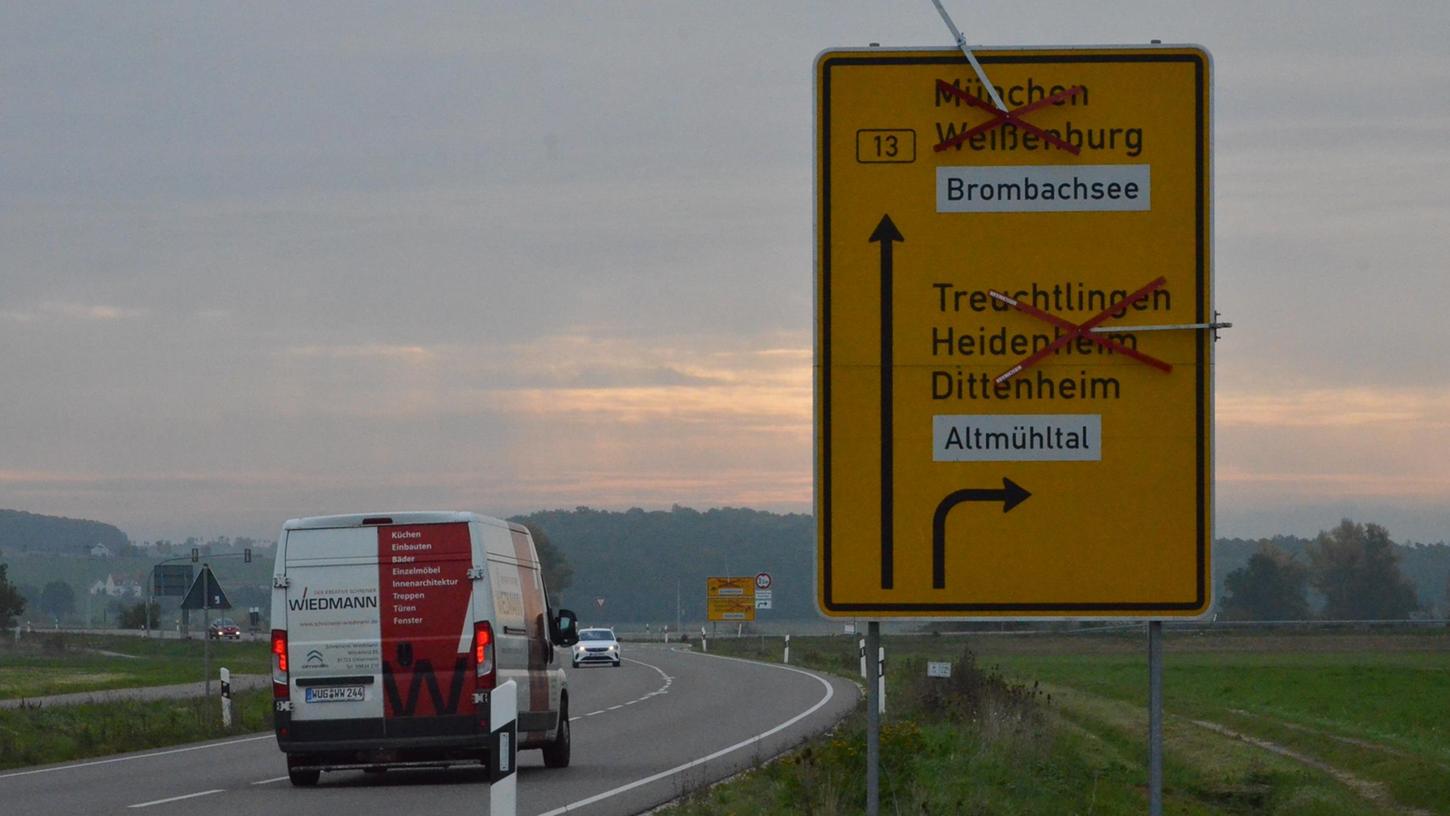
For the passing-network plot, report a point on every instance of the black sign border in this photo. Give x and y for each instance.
(1199, 60)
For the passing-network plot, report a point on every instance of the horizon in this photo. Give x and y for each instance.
(270, 539)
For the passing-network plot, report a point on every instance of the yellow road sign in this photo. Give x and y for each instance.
(1014, 382)
(730, 599)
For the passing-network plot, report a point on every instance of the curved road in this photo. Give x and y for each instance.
(667, 722)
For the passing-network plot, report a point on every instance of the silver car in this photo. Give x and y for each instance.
(596, 646)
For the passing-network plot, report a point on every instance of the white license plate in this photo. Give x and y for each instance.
(335, 694)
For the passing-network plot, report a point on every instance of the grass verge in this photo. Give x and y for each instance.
(37, 736)
(1058, 726)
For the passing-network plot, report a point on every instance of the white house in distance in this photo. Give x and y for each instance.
(118, 587)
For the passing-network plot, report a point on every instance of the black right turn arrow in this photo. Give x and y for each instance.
(1010, 496)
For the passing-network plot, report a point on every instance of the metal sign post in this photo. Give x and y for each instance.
(873, 727)
(206, 634)
(206, 594)
(1155, 718)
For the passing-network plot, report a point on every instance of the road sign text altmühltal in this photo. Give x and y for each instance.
(1014, 402)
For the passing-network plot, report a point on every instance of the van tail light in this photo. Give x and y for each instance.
(483, 663)
(279, 664)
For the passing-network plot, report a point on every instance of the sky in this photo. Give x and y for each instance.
(268, 260)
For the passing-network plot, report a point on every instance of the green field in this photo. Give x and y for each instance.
(58, 663)
(1300, 723)
(43, 663)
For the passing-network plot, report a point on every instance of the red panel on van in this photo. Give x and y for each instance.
(427, 629)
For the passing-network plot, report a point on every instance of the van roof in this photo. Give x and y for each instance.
(395, 517)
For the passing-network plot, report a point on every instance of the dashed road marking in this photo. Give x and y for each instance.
(663, 689)
(175, 798)
(830, 692)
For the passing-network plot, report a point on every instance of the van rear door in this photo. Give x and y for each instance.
(380, 630)
(333, 650)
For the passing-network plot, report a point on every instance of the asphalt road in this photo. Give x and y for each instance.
(665, 723)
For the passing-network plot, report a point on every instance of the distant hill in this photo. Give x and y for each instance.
(635, 559)
(22, 532)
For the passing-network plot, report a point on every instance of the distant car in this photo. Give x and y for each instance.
(224, 628)
(596, 646)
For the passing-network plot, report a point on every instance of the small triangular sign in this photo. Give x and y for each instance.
(205, 593)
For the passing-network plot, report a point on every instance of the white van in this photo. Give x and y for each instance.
(392, 629)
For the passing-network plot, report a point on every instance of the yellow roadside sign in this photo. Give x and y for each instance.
(730, 599)
(1014, 333)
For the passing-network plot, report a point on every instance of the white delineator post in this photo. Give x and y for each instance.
(226, 676)
(503, 780)
(861, 649)
(787, 650)
(704, 644)
(881, 676)
(873, 730)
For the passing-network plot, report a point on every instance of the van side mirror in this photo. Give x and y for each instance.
(564, 628)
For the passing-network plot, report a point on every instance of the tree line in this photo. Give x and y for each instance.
(1351, 572)
(628, 566)
(650, 566)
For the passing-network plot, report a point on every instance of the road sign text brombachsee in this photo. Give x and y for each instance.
(1005, 426)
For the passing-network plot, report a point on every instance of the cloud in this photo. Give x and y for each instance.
(588, 372)
(363, 352)
(1383, 409)
(62, 311)
(1315, 445)
(1242, 483)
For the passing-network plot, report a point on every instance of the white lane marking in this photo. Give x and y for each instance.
(269, 781)
(175, 799)
(665, 689)
(73, 766)
(830, 692)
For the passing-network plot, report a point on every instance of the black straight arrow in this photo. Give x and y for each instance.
(1010, 496)
(886, 234)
